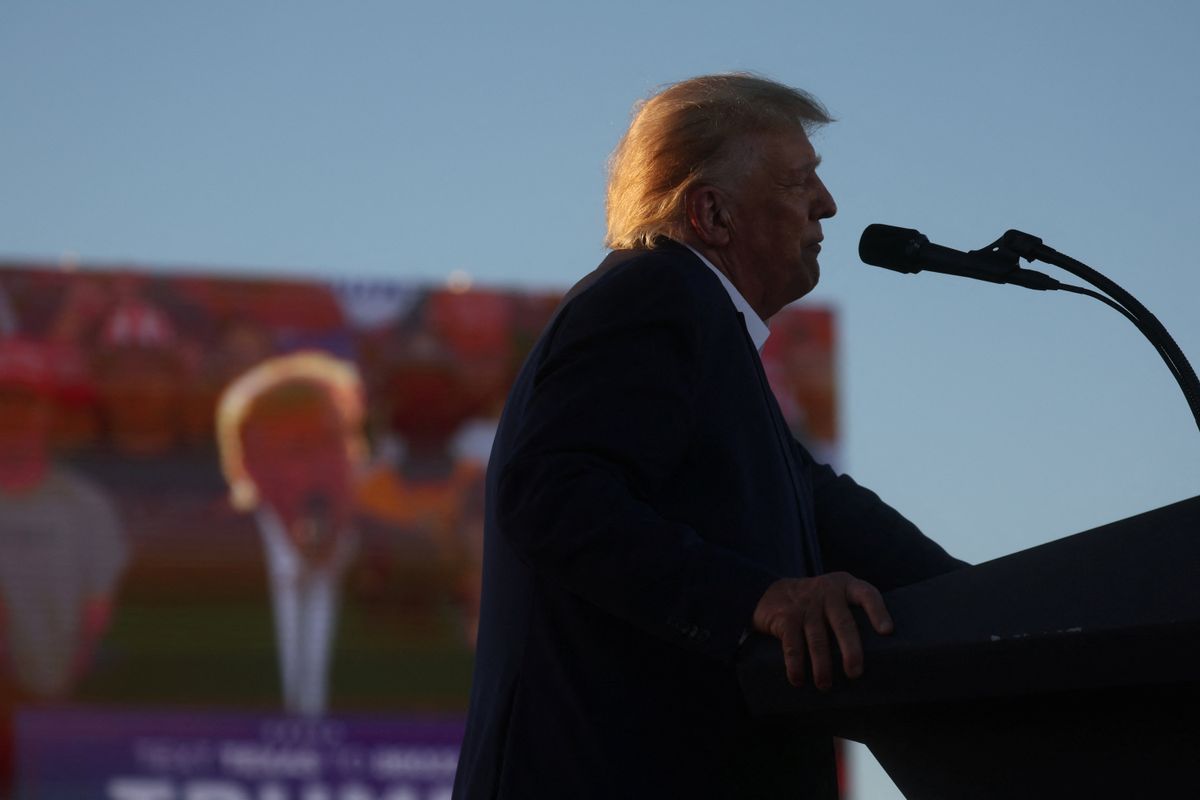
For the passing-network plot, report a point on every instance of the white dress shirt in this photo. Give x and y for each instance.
(757, 329)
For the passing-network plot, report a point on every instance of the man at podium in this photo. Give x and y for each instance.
(647, 506)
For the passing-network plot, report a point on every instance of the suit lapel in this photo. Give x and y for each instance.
(804, 555)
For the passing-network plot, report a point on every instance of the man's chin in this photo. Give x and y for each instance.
(808, 280)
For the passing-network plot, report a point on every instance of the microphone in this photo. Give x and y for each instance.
(314, 529)
(910, 251)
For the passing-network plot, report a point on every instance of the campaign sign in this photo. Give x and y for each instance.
(77, 754)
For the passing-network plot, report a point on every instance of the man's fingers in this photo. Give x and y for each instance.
(841, 621)
(870, 600)
(817, 635)
(793, 655)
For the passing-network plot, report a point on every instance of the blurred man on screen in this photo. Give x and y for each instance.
(62, 547)
(289, 432)
(648, 507)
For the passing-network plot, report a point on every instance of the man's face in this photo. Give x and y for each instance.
(297, 456)
(24, 422)
(140, 396)
(775, 216)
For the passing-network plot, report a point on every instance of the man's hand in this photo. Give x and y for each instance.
(801, 612)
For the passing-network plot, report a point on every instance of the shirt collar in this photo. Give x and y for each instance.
(757, 329)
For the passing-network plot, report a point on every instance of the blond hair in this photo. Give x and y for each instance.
(335, 379)
(686, 135)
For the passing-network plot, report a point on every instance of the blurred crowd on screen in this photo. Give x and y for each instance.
(219, 579)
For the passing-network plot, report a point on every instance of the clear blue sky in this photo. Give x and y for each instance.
(404, 140)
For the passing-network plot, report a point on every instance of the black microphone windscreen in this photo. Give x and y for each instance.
(891, 247)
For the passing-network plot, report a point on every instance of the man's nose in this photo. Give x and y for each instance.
(826, 207)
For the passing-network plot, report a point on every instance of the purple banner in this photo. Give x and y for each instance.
(80, 754)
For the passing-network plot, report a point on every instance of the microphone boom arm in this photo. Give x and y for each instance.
(910, 251)
(1015, 243)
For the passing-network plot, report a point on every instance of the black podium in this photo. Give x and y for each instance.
(1069, 670)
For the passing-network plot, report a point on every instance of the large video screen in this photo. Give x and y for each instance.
(241, 525)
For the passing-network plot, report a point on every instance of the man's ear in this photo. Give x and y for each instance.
(708, 216)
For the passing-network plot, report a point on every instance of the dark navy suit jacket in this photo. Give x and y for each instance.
(643, 492)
